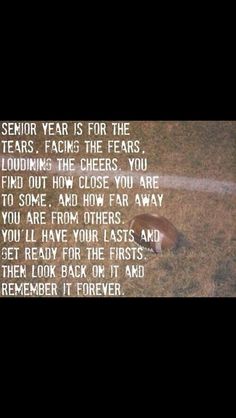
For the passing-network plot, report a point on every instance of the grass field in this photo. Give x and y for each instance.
(205, 264)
